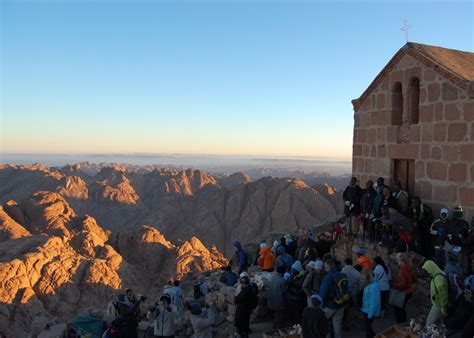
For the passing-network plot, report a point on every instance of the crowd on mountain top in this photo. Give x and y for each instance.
(323, 293)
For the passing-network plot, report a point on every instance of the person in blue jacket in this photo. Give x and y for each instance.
(242, 261)
(334, 311)
(371, 301)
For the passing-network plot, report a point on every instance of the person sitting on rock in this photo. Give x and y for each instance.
(202, 320)
(246, 301)
(266, 260)
(314, 323)
(163, 316)
(228, 277)
(283, 259)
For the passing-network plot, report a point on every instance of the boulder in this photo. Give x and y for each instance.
(55, 331)
(38, 325)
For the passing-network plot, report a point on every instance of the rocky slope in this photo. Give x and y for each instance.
(55, 263)
(216, 209)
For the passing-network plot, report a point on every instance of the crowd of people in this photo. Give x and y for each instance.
(324, 293)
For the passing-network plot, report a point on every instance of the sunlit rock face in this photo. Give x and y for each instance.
(58, 263)
(72, 237)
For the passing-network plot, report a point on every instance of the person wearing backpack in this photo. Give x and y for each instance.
(266, 260)
(246, 301)
(438, 292)
(371, 301)
(296, 297)
(162, 316)
(242, 258)
(335, 293)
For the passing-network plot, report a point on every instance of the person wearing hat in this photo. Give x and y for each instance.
(314, 278)
(458, 228)
(202, 320)
(314, 323)
(245, 302)
(351, 197)
(439, 233)
(283, 259)
(266, 260)
(163, 315)
(296, 296)
(362, 258)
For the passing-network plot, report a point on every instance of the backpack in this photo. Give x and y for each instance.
(341, 290)
(254, 301)
(455, 288)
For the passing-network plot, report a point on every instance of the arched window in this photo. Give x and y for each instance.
(414, 100)
(397, 104)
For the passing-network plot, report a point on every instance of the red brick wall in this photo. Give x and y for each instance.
(442, 143)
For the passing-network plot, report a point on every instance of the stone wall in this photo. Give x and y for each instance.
(442, 143)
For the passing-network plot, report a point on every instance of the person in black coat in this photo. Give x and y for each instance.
(245, 302)
(366, 206)
(351, 197)
(315, 324)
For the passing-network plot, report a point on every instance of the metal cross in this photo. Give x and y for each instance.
(405, 29)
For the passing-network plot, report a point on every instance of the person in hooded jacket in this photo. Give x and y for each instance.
(228, 277)
(383, 276)
(363, 259)
(163, 316)
(245, 302)
(439, 233)
(371, 303)
(314, 323)
(283, 259)
(242, 259)
(202, 320)
(296, 297)
(266, 260)
(438, 292)
(314, 278)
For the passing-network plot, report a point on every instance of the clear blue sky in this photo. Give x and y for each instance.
(213, 77)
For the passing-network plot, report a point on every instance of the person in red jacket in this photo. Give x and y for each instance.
(404, 282)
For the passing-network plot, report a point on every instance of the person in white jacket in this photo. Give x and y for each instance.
(201, 320)
(163, 316)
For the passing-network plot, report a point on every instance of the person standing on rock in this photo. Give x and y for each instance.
(297, 300)
(366, 206)
(242, 258)
(371, 301)
(202, 320)
(332, 294)
(351, 197)
(283, 259)
(315, 323)
(277, 297)
(162, 316)
(404, 282)
(439, 234)
(438, 292)
(422, 217)
(246, 301)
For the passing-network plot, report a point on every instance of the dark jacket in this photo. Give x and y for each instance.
(327, 289)
(228, 278)
(241, 257)
(401, 201)
(315, 324)
(283, 259)
(312, 282)
(243, 309)
(459, 230)
(277, 293)
(295, 289)
(367, 201)
(352, 195)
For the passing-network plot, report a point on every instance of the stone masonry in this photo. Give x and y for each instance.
(440, 138)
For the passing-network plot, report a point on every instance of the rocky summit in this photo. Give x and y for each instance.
(70, 238)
